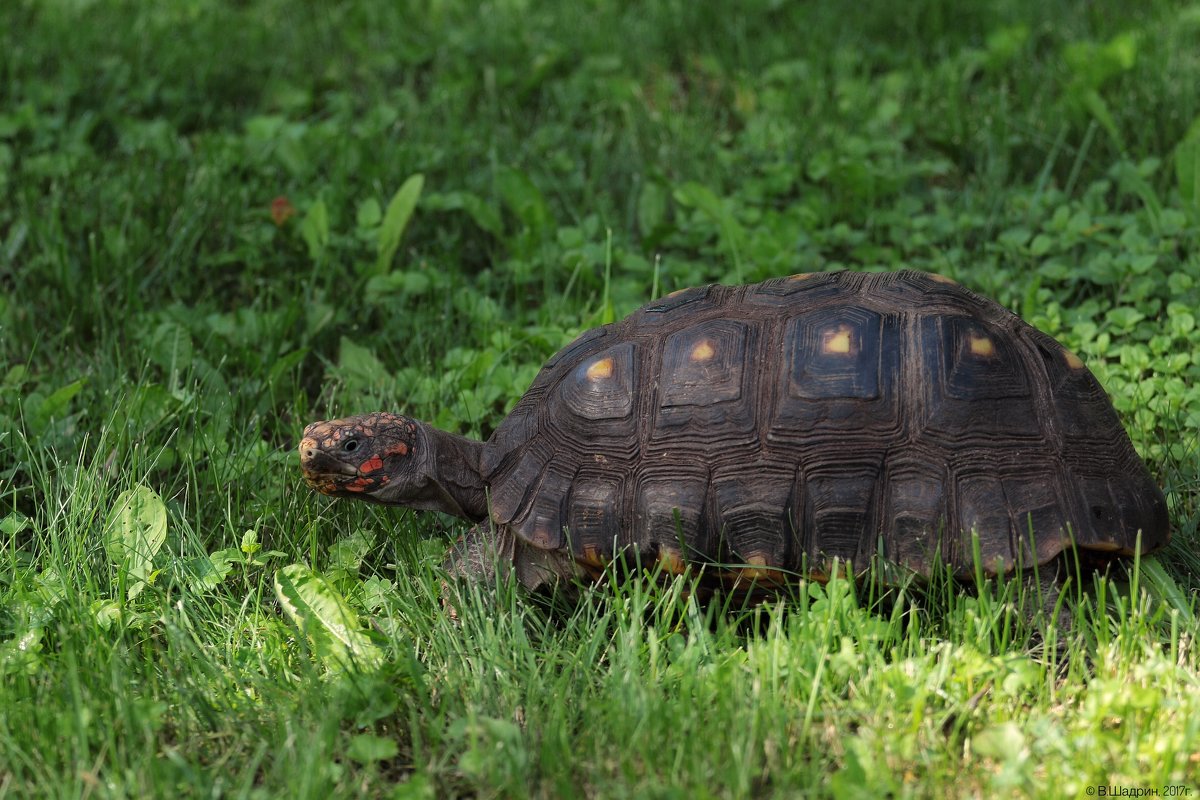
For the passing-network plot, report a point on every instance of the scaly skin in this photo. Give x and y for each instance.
(394, 460)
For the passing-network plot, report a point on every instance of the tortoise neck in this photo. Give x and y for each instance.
(455, 471)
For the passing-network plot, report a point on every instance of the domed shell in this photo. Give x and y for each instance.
(780, 425)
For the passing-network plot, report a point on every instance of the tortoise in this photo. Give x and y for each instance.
(764, 433)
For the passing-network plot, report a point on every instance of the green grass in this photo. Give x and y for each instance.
(163, 338)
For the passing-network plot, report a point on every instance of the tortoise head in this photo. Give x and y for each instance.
(370, 456)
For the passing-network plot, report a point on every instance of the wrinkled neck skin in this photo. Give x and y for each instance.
(453, 483)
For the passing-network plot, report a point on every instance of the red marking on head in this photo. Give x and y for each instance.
(398, 449)
(359, 485)
(371, 464)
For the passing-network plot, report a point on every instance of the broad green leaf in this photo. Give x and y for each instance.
(1132, 178)
(315, 229)
(170, 346)
(134, 533)
(22, 654)
(1015, 237)
(358, 366)
(1181, 323)
(265, 128)
(1041, 244)
(1187, 166)
(55, 405)
(16, 375)
(348, 552)
(367, 747)
(51, 587)
(381, 287)
(1095, 104)
(208, 572)
(325, 617)
(285, 364)
(369, 213)
(651, 209)
(1093, 63)
(396, 218)
(484, 215)
(523, 198)
(1141, 264)
(1005, 44)
(1002, 742)
(13, 523)
(1124, 317)
(105, 612)
(1122, 50)
(416, 787)
(697, 195)
(376, 593)
(732, 235)
(250, 544)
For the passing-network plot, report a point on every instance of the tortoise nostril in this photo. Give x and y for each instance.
(308, 450)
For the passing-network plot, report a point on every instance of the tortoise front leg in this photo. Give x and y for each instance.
(487, 551)
(481, 554)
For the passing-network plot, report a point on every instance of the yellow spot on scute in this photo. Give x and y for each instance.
(598, 370)
(1073, 361)
(703, 351)
(982, 346)
(838, 341)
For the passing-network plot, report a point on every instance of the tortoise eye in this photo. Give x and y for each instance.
(350, 445)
